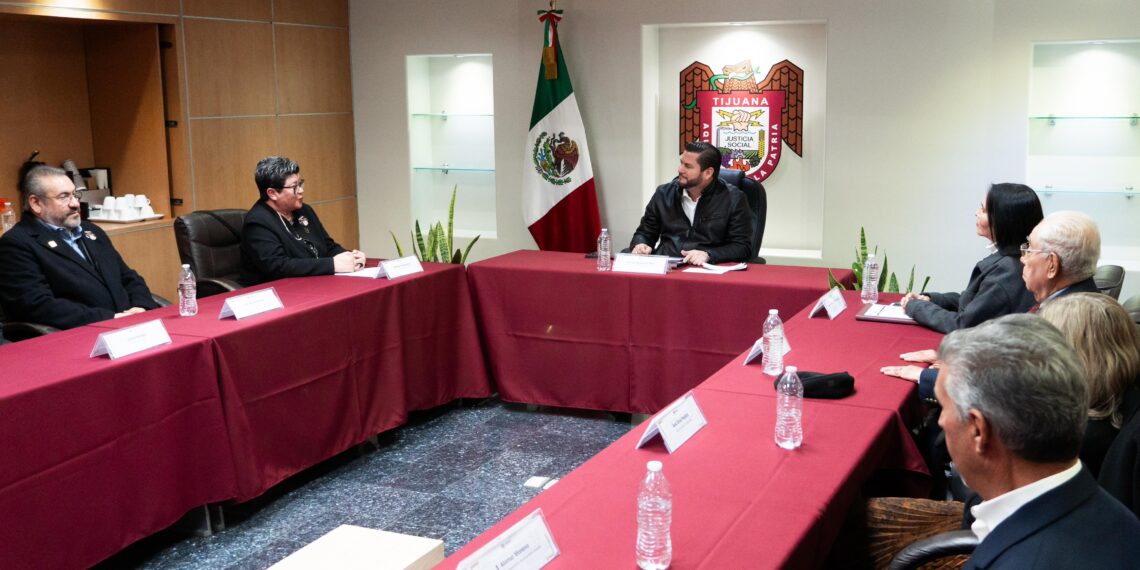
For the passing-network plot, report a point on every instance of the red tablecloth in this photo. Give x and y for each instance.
(345, 359)
(845, 344)
(739, 501)
(96, 454)
(560, 333)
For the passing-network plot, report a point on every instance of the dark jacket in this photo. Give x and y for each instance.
(722, 223)
(1120, 471)
(1076, 525)
(43, 280)
(270, 250)
(995, 289)
(1086, 286)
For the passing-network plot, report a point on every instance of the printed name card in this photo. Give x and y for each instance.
(249, 304)
(832, 302)
(130, 340)
(400, 267)
(647, 264)
(758, 349)
(677, 423)
(528, 545)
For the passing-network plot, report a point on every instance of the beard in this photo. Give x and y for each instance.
(71, 220)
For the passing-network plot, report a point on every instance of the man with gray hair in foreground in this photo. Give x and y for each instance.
(1060, 256)
(1014, 408)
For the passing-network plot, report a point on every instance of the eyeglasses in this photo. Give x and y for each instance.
(298, 187)
(65, 197)
(1025, 250)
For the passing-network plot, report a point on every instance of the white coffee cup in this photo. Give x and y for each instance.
(100, 176)
(112, 213)
(121, 202)
(109, 203)
(141, 200)
(146, 211)
(96, 212)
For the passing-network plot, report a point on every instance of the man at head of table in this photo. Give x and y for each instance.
(57, 270)
(1014, 408)
(696, 216)
(282, 236)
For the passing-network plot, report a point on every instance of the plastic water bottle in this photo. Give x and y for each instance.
(605, 262)
(773, 357)
(870, 294)
(789, 410)
(187, 293)
(654, 515)
(7, 216)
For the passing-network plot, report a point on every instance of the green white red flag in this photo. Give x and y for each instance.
(560, 205)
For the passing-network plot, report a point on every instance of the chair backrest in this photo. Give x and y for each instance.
(1132, 305)
(210, 241)
(1109, 279)
(757, 202)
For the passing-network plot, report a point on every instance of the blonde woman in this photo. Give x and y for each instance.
(1107, 342)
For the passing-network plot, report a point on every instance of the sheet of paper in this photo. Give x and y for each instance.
(711, 269)
(892, 311)
(369, 272)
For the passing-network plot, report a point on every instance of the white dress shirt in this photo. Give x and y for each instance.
(989, 514)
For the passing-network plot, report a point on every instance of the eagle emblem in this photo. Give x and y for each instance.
(555, 157)
(746, 118)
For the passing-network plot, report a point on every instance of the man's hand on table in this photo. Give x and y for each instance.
(695, 257)
(129, 312)
(641, 249)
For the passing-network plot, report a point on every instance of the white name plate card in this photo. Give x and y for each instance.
(758, 349)
(249, 304)
(647, 264)
(130, 340)
(832, 302)
(677, 423)
(528, 545)
(400, 267)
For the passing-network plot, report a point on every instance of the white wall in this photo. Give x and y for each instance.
(926, 106)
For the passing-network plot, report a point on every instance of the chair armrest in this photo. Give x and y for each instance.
(212, 286)
(758, 261)
(18, 330)
(941, 545)
(160, 300)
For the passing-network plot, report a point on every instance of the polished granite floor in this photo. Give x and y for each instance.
(450, 473)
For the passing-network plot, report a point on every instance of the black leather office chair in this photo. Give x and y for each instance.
(1109, 279)
(956, 543)
(210, 241)
(757, 202)
(1132, 305)
(19, 330)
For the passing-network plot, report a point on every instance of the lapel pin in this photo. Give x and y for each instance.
(51, 243)
(89, 235)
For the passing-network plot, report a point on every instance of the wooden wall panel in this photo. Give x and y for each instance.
(317, 12)
(339, 219)
(314, 70)
(237, 9)
(323, 145)
(177, 137)
(123, 66)
(43, 98)
(230, 68)
(226, 152)
(153, 253)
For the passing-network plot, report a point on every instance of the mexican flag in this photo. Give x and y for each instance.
(559, 203)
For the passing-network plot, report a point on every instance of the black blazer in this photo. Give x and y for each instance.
(722, 224)
(995, 289)
(1076, 525)
(43, 280)
(271, 251)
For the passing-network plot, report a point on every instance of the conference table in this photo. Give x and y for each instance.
(738, 499)
(98, 453)
(557, 332)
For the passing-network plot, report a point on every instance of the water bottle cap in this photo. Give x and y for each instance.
(185, 266)
(773, 311)
(654, 466)
(870, 256)
(790, 369)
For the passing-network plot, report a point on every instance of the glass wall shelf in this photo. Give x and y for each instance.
(1127, 192)
(444, 169)
(446, 115)
(1132, 119)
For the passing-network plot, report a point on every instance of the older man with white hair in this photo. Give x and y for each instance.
(1014, 408)
(1061, 256)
